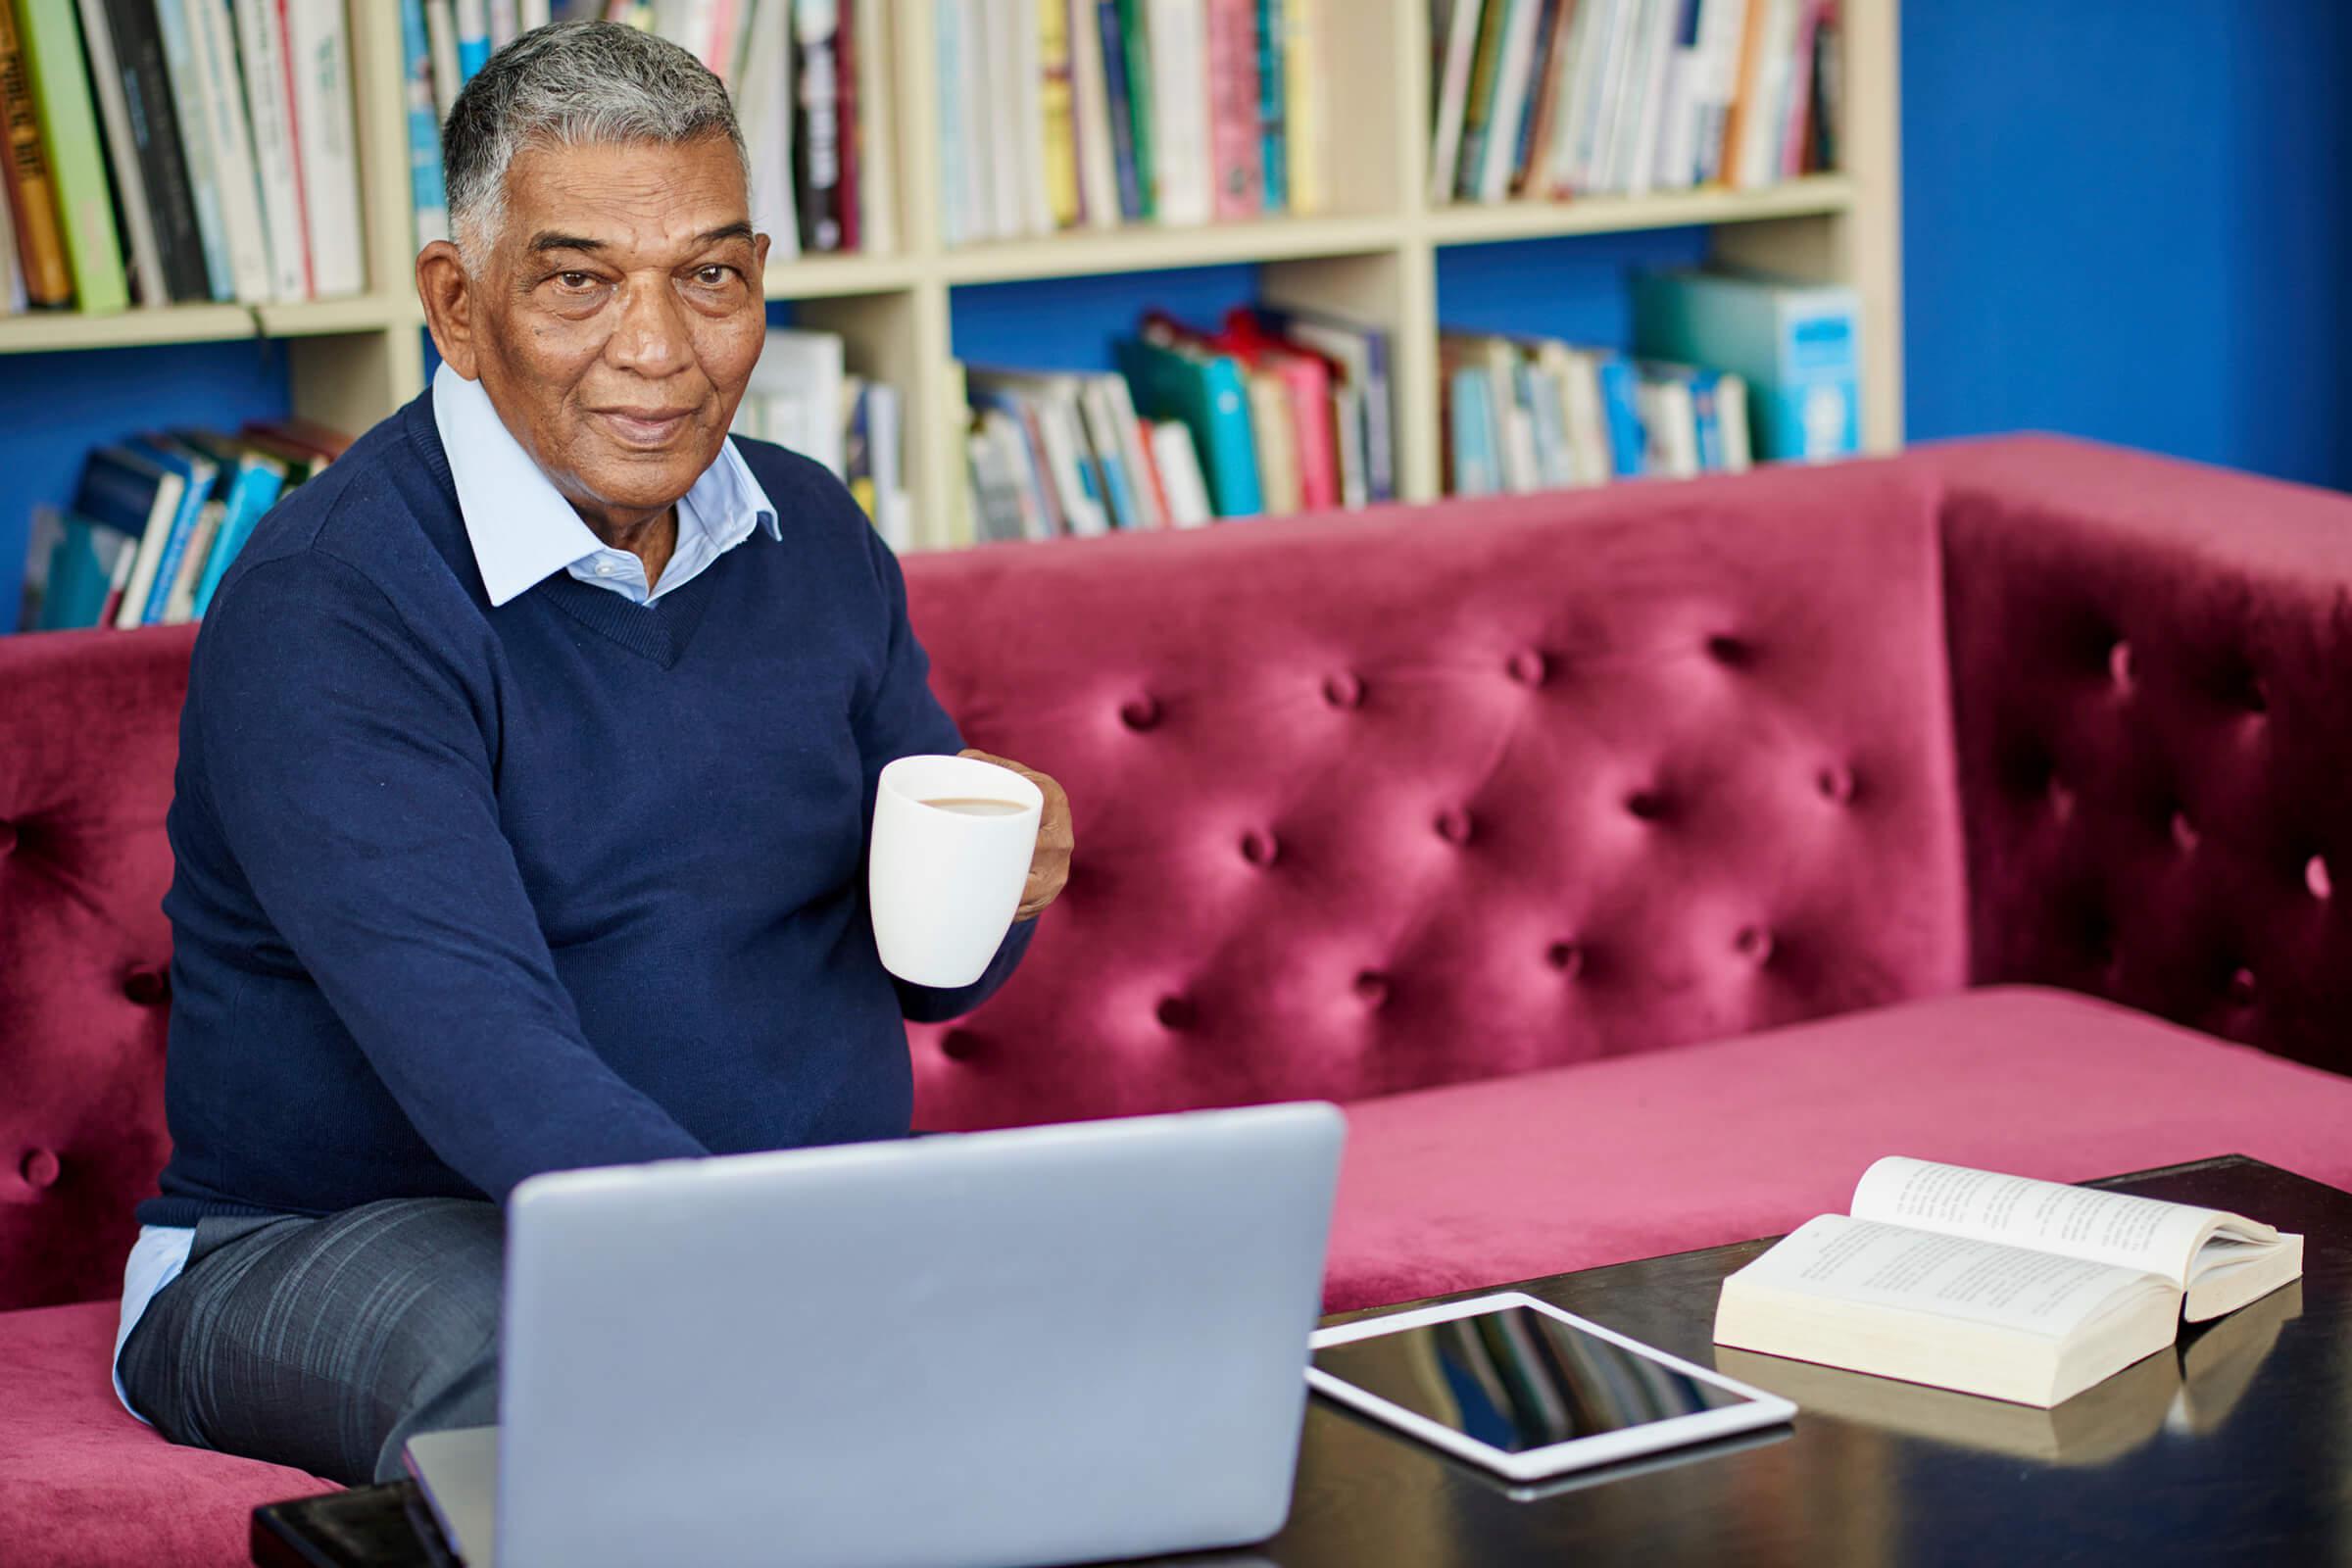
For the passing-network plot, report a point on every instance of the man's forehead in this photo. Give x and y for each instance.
(624, 195)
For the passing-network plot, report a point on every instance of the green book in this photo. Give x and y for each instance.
(1139, 98)
(61, 94)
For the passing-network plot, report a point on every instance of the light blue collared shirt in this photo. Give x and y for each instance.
(523, 531)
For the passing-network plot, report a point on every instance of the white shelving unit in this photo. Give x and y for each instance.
(1372, 254)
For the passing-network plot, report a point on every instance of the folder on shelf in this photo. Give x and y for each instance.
(1176, 379)
(1797, 346)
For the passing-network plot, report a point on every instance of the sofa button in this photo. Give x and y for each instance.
(2316, 878)
(1372, 988)
(1174, 1013)
(1754, 944)
(1528, 667)
(1259, 849)
(1732, 652)
(959, 1045)
(2241, 987)
(1343, 690)
(2062, 798)
(1139, 712)
(2184, 831)
(149, 988)
(1647, 804)
(40, 1168)
(1455, 826)
(1838, 785)
(2258, 695)
(1568, 957)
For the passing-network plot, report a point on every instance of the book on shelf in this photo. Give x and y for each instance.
(2000, 1286)
(1796, 347)
(1092, 113)
(50, 36)
(157, 519)
(1560, 98)
(42, 271)
(804, 397)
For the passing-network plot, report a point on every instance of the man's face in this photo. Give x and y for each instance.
(618, 316)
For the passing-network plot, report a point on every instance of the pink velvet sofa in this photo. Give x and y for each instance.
(1635, 866)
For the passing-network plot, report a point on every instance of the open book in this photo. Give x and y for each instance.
(2020, 1289)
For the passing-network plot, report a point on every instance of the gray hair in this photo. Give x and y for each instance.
(569, 84)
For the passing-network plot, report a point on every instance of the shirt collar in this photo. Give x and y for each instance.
(522, 529)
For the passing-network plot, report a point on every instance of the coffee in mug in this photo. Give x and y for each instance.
(975, 805)
(953, 840)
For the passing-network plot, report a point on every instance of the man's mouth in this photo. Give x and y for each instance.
(645, 427)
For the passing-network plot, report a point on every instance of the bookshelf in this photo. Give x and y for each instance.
(1372, 253)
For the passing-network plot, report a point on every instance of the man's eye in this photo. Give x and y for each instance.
(575, 280)
(713, 277)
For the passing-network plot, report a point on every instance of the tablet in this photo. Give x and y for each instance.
(1527, 1390)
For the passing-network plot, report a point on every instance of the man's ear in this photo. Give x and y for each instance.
(447, 297)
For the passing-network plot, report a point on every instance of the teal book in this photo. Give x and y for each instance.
(1796, 345)
(1204, 392)
(1273, 105)
(1471, 425)
(249, 486)
(1621, 406)
(131, 491)
(86, 565)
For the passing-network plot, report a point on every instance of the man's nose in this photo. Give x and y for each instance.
(652, 339)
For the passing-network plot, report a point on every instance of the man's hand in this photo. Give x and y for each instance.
(1050, 865)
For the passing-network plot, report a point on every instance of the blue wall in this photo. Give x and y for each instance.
(2130, 219)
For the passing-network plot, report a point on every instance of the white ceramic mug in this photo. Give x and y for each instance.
(945, 883)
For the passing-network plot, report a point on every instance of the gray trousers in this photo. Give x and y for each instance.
(327, 1343)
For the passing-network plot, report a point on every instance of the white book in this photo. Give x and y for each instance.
(506, 23)
(1182, 174)
(1677, 124)
(877, 195)
(181, 608)
(2001, 1286)
(216, 51)
(531, 14)
(178, 35)
(1015, 131)
(145, 256)
(161, 514)
(798, 381)
(1348, 425)
(1179, 462)
(261, 35)
(1731, 415)
(997, 459)
(1669, 428)
(1460, 35)
(1721, 26)
(763, 108)
(1090, 101)
(1132, 447)
(319, 45)
(884, 449)
(1517, 67)
(1760, 123)
(979, 155)
(1653, 78)
(1612, 153)
(946, 69)
(441, 38)
(1591, 101)
(1583, 406)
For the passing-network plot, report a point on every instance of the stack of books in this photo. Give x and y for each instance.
(1276, 412)
(1557, 98)
(175, 152)
(1522, 415)
(808, 77)
(1068, 113)
(803, 397)
(157, 520)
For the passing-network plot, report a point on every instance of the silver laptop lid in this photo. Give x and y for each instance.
(1044, 1345)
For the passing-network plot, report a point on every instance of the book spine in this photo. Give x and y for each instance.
(1798, 110)
(256, 490)
(319, 41)
(817, 127)
(1506, 128)
(1056, 101)
(441, 37)
(1273, 105)
(12, 266)
(505, 23)
(428, 205)
(1544, 80)
(1182, 160)
(196, 145)
(845, 53)
(1478, 109)
(531, 14)
(224, 111)
(1140, 114)
(473, 39)
(138, 56)
(281, 22)
(86, 204)
(1237, 153)
(32, 195)
(148, 285)
(876, 190)
(1121, 106)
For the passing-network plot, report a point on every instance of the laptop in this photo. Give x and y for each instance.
(1054, 1344)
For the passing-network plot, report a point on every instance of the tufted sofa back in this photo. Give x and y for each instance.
(1371, 804)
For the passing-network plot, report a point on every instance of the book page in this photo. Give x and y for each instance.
(1838, 1258)
(2108, 1227)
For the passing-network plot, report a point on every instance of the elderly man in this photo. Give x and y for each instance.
(525, 773)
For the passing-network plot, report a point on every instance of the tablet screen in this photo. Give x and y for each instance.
(1518, 1379)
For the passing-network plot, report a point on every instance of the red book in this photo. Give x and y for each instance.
(1237, 150)
(845, 54)
(1309, 380)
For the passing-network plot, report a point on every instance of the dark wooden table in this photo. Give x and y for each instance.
(2234, 1448)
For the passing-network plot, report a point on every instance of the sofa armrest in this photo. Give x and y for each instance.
(2152, 690)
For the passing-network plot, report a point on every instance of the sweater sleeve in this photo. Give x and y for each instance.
(345, 762)
(902, 718)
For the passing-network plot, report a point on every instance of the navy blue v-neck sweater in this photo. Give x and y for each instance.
(464, 894)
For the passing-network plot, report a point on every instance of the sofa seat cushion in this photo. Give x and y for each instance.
(85, 1486)
(1516, 1178)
